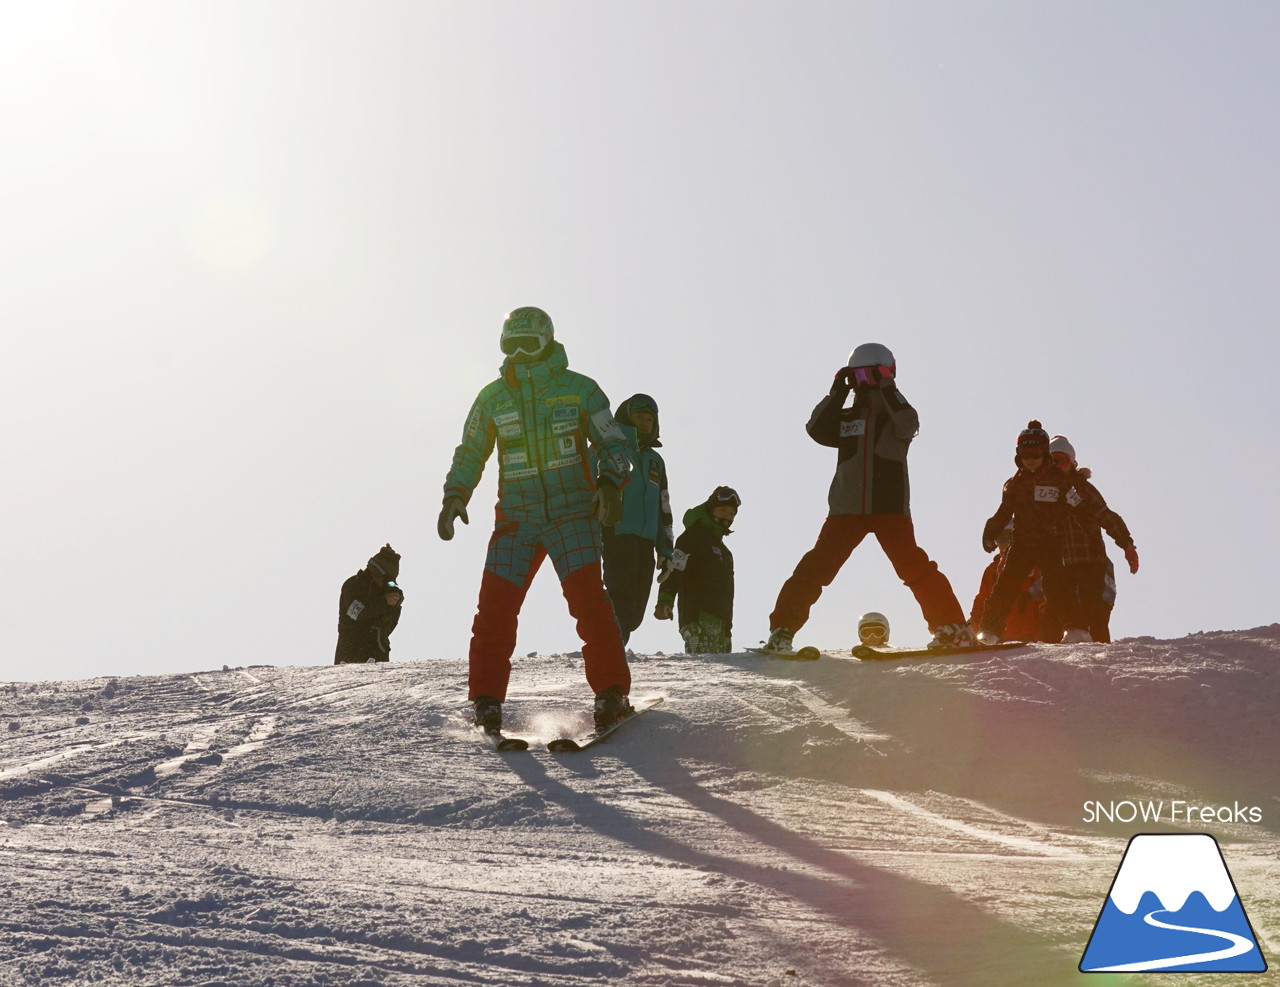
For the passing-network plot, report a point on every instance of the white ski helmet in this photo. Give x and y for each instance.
(526, 331)
(873, 628)
(873, 355)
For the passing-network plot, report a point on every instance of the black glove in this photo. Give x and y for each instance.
(988, 544)
(841, 385)
(606, 502)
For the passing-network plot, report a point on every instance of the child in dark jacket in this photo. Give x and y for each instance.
(701, 576)
(1084, 556)
(1037, 498)
(369, 610)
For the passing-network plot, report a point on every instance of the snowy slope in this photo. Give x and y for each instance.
(773, 823)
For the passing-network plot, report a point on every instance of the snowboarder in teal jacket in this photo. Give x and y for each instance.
(645, 530)
(562, 464)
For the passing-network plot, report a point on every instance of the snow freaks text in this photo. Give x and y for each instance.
(1175, 811)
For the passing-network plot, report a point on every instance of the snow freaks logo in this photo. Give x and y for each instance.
(1172, 908)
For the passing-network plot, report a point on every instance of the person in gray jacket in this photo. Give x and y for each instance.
(870, 494)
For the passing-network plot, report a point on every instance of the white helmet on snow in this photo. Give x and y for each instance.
(873, 629)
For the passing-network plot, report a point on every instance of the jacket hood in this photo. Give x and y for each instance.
(700, 516)
(623, 416)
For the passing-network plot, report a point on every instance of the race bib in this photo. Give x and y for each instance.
(856, 427)
(1047, 494)
(607, 426)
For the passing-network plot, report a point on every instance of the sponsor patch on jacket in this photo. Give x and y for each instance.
(519, 474)
(355, 609)
(850, 428)
(559, 428)
(563, 399)
(567, 445)
(655, 473)
(473, 424)
(1047, 494)
(515, 458)
(556, 464)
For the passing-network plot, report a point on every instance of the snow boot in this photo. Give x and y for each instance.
(612, 705)
(953, 636)
(488, 714)
(780, 639)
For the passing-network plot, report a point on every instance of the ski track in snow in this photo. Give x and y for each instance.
(822, 824)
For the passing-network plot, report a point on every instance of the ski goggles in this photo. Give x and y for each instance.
(727, 497)
(528, 345)
(642, 402)
(869, 376)
(873, 634)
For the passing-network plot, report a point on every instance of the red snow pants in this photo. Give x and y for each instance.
(840, 535)
(515, 553)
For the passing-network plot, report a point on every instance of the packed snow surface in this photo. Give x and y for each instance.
(828, 823)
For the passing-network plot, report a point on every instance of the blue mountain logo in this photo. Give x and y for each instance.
(1173, 908)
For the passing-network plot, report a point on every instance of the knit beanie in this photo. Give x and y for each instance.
(1059, 443)
(1033, 435)
(387, 562)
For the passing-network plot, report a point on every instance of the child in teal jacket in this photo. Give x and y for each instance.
(645, 529)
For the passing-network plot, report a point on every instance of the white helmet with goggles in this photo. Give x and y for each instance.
(526, 332)
(870, 363)
(873, 629)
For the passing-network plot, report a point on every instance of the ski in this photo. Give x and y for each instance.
(496, 739)
(564, 745)
(867, 653)
(799, 654)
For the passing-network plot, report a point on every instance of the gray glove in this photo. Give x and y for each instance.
(454, 507)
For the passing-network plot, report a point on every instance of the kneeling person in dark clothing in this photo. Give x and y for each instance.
(368, 610)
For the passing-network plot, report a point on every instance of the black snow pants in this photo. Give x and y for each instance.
(628, 576)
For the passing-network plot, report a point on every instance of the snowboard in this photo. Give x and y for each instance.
(566, 745)
(867, 653)
(799, 654)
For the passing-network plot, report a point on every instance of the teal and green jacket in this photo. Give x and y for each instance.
(555, 437)
(646, 503)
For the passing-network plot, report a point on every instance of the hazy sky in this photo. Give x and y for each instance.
(254, 259)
